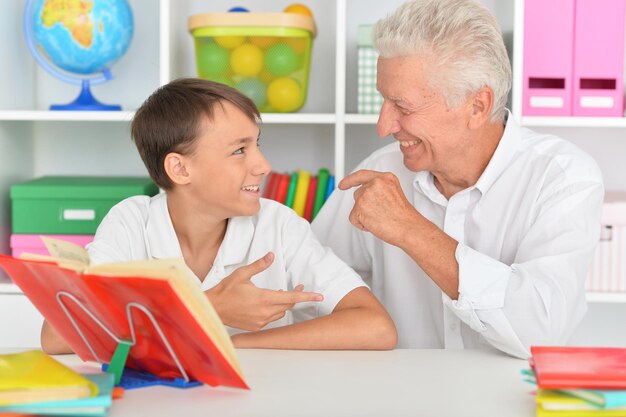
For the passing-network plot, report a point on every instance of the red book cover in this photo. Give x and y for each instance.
(310, 199)
(579, 367)
(89, 309)
(270, 185)
(281, 188)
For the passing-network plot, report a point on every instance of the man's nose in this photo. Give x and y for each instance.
(387, 121)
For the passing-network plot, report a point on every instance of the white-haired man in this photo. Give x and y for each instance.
(472, 230)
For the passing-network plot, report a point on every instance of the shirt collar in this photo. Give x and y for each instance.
(163, 242)
(508, 145)
(501, 159)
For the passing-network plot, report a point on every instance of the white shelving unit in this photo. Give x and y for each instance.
(326, 132)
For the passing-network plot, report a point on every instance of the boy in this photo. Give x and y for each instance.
(253, 257)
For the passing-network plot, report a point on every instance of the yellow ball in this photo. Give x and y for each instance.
(229, 42)
(246, 60)
(298, 8)
(284, 94)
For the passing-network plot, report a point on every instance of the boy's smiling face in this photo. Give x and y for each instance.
(227, 167)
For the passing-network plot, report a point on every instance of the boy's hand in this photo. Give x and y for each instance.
(242, 305)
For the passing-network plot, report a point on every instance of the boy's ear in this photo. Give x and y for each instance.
(176, 169)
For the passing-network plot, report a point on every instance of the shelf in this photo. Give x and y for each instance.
(619, 122)
(74, 116)
(298, 118)
(606, 297)
(126, 116)
(361, 119)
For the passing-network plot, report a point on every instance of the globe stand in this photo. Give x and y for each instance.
(86, 101)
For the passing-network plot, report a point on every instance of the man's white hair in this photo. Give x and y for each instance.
(465, 41)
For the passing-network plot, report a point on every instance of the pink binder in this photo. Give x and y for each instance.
(599, 58)
(548, 57)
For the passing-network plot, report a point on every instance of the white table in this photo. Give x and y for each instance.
(431, 383)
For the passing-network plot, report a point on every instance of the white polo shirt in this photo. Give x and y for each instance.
(140, 228)
(526, 231)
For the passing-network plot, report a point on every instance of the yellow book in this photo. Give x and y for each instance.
(33, 376)
(302, 189)
(555, 404)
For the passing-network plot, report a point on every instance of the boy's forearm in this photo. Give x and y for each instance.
(51, 341)
(365, 326)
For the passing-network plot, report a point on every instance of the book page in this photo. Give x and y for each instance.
(66, 250)
(63, 263)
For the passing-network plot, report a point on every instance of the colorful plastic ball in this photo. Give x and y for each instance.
(284, 94)
(254, 89)
(229, 42)
(298, 8)
(212, 60)
(281, 60)
(246, 60)
(238, 9)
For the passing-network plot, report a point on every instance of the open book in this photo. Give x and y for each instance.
(157, 305)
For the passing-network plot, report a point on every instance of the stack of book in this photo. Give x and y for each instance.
(34, 383)
(302, 191)
(578, 381)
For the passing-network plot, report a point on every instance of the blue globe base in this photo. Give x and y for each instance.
(86, 102)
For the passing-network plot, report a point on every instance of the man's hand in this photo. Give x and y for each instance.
(242, 305)
(380, 206)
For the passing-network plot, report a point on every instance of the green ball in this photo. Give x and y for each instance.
(212, 60)
(281, 60)
(254, 89)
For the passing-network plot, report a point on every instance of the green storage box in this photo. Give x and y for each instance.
(370, 100)
(70, 205)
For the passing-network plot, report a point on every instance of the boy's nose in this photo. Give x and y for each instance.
(262, 165)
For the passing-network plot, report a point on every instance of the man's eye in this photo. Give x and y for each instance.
(238, 151)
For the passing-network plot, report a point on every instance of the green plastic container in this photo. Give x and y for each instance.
(266, 56)
(70, 205)
(369, 99)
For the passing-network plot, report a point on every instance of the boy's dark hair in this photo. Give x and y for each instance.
(170, 119)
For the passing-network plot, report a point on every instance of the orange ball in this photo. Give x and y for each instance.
(298, 8)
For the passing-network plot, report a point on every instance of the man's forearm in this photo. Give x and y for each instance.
(434, 251)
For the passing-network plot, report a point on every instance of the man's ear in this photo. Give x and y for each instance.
(480, 105)
(175, 166)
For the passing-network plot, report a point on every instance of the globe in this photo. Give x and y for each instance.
(77, 41)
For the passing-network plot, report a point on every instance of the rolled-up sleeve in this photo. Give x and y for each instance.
(540, 297)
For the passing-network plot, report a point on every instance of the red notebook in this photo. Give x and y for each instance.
(310, 199)
(270, 185)
(281, 188)
(579, 367)
(115, 295)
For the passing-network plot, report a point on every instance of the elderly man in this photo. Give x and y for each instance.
(472, 230)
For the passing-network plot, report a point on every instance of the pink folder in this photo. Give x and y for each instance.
(599, 58)
(548, 57)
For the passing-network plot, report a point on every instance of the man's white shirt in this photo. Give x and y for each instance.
(526, 231)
